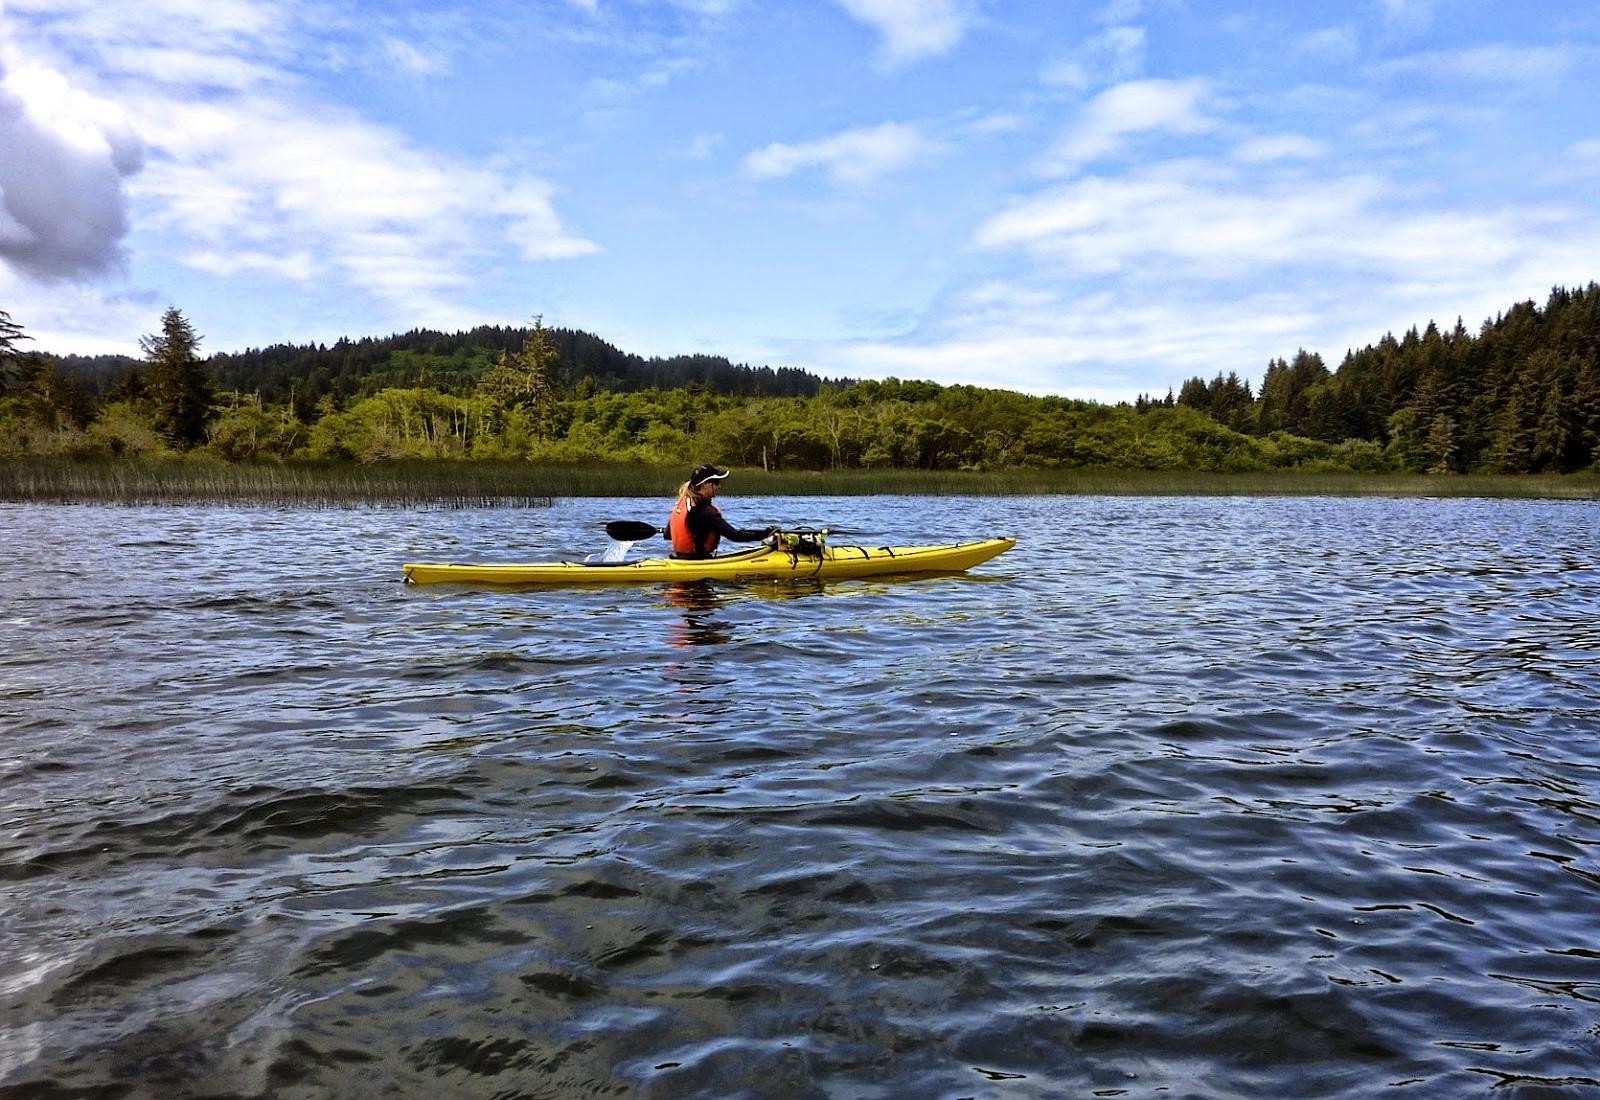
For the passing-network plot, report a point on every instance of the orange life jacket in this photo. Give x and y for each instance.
(678, 528)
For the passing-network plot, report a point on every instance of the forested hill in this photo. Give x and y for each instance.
(454, 363)
(1521, 394)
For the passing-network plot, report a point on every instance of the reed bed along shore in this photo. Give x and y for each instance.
(342, 485)
(515, 484)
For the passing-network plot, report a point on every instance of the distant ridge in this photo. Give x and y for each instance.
(453, 362)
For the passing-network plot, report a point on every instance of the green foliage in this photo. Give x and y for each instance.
(177, 384)
(1226, 399)
(245, 430)
(523, 382)
(11, 356)
(125, 429)
(1522, 395)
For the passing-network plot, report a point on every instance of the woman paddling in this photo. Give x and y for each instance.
(696, 526)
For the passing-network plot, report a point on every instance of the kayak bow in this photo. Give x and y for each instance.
(791, 559)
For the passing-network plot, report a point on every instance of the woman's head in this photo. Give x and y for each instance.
(703, 481)
(705, 474)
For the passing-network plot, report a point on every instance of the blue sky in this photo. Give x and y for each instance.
(1094, 199)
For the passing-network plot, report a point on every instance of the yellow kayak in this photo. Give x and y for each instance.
(790, 558)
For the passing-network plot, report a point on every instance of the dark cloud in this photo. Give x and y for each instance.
(63, 210)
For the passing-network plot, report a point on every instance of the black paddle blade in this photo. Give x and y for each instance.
(631, 530)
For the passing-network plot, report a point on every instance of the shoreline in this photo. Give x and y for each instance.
(515, 484)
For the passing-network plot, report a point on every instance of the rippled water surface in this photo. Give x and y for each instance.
(1219, 797)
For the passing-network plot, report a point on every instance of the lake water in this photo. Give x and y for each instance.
(1180, 798)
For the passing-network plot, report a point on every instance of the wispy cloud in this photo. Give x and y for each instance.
(702, 146)
(1209, 221)
(1101, 345)
(1579, 163)
(1108, 120)
(1586, 153)
(401, 221)
(1115, 54)
(1496, 64)
(1257, 150)
(913, 29)
(1188, 267)
(410, 58)
(852, 157)
(1122, 11)
(1340, 43)
(1408, 16)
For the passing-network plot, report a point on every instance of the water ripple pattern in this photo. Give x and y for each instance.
(1180, 798)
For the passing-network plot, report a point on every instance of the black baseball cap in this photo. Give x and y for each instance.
(702, 474)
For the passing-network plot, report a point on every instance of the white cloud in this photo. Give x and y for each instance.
(74, 316)
(402, 222)
(1103, 345)
(1206, 221)
(63, 209)
(988, 125)
(1408, 16)
(913, 29)
(1134, 282)
(703, 146)
(408, 58)
(1122, 11)
(851, 157)
(248, 172)
(1107, 321)
(1333, 43)
(1113, 55)
(1486, 65)
(184, 68)
(297, 266)
(1279, 147)
(1140, 106)
(1581, 161)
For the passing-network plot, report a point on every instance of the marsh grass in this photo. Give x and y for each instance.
(516, 484)
(348, 485)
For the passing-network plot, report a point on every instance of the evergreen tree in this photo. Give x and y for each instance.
(1440, 448)
(1195, 394)
(1231, 402)
(51, 399)
(176, 381)
(524, 379)
(11, 358)
(1277, 385)
(1510, 438)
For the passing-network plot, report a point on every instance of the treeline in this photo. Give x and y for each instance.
(1522, 395)
(303, 374)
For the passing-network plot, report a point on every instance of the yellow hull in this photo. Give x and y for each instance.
(760, 564)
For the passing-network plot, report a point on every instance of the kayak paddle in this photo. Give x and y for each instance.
(631, 530)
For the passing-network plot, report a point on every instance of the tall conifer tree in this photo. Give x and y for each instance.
(10, 355)
(176, 382)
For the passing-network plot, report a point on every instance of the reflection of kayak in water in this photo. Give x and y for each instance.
(800, 555)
